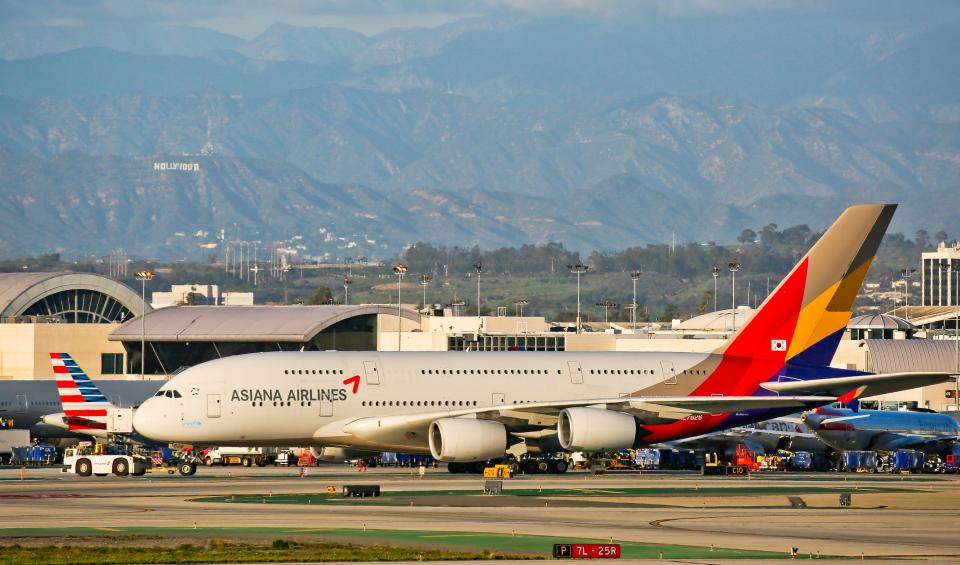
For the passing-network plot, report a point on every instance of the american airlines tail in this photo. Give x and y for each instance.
(84, 406)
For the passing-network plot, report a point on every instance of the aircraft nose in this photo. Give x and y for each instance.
(147, 421)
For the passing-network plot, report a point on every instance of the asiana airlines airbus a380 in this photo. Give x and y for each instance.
(463, 406)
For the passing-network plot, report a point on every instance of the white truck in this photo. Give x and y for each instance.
(246, 456)
(84, 461)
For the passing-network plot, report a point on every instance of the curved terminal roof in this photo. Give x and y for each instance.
(904, 355)
(880, 322)
(718, 321)
(20, 291)
(246, 323)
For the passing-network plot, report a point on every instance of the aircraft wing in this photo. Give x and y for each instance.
(408, 428)
(873, 384)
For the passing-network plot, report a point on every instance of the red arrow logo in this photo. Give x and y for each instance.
(355, 381)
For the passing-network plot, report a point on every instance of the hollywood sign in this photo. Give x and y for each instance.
(176, 166)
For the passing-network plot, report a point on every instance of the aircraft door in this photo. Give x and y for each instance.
(576, 372)
(326, 407)
(213, 406)
(669, 373)
(21, 407)
(371, 372)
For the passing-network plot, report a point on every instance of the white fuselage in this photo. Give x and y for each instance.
(301, 398)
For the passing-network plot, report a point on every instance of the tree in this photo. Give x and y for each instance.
(705, 301)
(922, 238)
(769, 234)
(747, 236)
(670, 312)
(796, 235)
(941, 236)
(320, 296)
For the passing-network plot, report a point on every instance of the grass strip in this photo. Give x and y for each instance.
(349, 546)
(221, 551)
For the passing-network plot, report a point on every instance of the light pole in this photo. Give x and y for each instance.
(578, 269)
(518, 306)
(401, 270)
(479, 268)
(606, 305)
(143, 277)
(424, 281)
(904, 275)
(347, 281)
(716, 275)
(734, 266)
(635, 276)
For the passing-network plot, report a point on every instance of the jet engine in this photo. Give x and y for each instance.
(595, 429)
(465, 439)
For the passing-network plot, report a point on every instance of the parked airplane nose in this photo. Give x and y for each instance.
(148, 420)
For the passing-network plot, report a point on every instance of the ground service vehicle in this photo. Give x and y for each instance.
(85, 461)
(246, 456)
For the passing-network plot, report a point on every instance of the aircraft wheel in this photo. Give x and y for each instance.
(543, 467)
(187, 469)
(121, 467)
(529, 467)
(558, 466)
(84, 467)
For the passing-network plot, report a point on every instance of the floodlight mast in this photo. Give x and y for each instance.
(518, 305)
(734, 266)
(143, 277)
(635, 276)
(716, 275)
(479, 268)
(578, 269)
(400, 269)
(424, 281)
(347, 281)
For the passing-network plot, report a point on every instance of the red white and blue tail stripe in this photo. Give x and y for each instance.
(84, 406)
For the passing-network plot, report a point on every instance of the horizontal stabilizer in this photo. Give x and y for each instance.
(874, 384)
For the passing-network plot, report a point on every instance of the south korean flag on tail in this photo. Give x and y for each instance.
(778, 345)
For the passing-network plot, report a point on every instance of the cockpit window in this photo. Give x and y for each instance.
(169, 393)
(160, 393)
(176, 394)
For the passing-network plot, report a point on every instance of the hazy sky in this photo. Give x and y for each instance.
(247, 18)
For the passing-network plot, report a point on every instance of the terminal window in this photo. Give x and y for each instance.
(111, 363)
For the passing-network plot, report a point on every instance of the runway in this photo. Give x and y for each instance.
(910, 516)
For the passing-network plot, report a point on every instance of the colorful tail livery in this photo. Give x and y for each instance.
(802, 322)
(789, 343)
(84, 406)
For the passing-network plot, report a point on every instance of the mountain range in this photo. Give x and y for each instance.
(488, 131)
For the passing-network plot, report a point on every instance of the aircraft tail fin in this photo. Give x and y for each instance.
(802, 321)
(84, 405)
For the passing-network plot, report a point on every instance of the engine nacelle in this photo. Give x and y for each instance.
(595, 429)
(465, 439)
